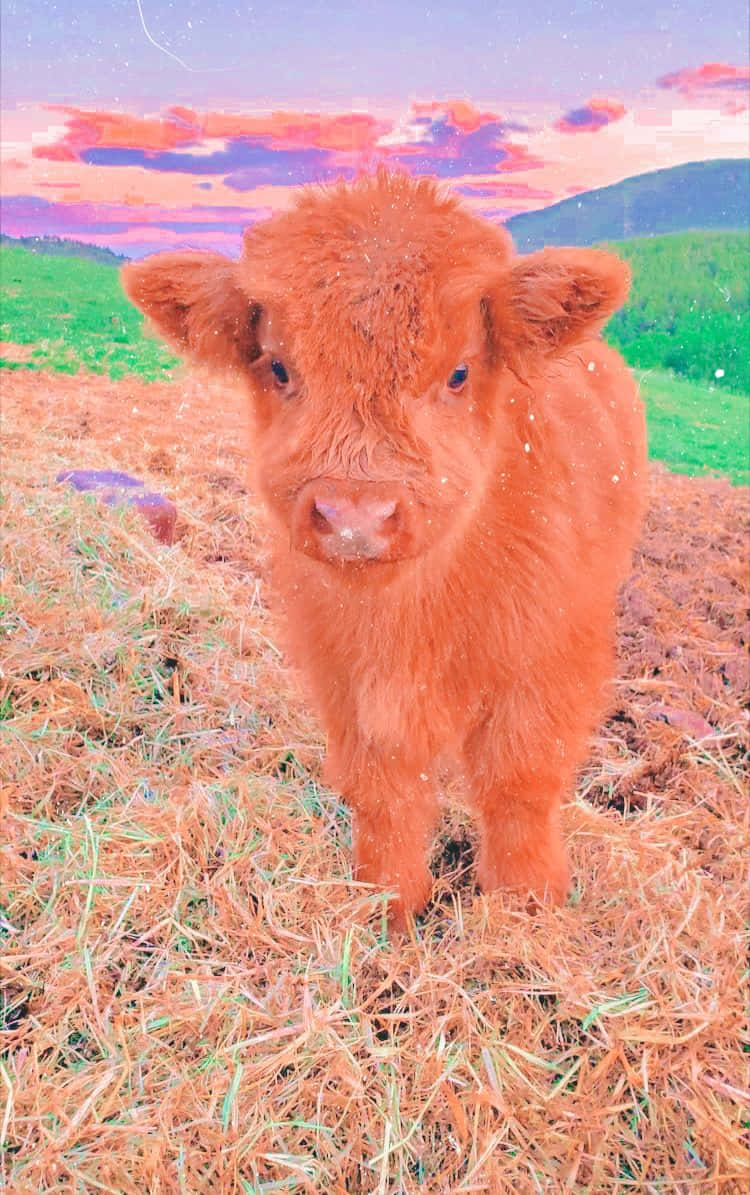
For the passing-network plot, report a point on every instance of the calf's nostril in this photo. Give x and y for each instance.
(385, 511)
(323, 515)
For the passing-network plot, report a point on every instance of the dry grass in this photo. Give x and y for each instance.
(197, 998)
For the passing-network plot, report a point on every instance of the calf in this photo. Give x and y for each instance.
(453, 465)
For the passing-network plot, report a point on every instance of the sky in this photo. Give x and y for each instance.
(143, 124)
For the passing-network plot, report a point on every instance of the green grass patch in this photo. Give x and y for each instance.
(689, 307)
(696, 429)
(75, 315)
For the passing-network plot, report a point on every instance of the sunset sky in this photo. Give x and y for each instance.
(141, 124)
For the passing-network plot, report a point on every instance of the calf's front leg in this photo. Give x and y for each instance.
(518, 803)
(394, 813)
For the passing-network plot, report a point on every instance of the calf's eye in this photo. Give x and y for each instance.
(458, 377)
(279, 371)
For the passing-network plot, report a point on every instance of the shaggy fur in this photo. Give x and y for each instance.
(447, 557)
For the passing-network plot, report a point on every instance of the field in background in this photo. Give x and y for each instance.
(688, 317)
(71, 313)
(696, 429)
(689, 308)
(196, 997)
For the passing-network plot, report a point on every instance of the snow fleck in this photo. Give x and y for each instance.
(443, 480)
(615, 478)
(718, 373)
(423, 776)
(527, 448)
(532, 416)
(347, 533)
(591, 366)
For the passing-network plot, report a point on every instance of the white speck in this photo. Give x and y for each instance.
(532, 417)
(527, 448)
(423, 776)
(718, 373)
(443, 480)
(591, 366)
(615, 478)
(134, 411)
(346, 533)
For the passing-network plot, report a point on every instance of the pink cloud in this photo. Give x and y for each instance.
(731, 84)
(349, 132)
(116, 130)
(460, 113)
(593, 116)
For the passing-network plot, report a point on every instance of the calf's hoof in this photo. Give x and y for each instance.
(544, 880)
(411, 885)
(410, 902)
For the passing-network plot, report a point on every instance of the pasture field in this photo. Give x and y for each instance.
(196, 996)
(688, 312)
(68, 313)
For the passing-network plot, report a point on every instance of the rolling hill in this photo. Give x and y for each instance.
(699, 195)
(60, 247)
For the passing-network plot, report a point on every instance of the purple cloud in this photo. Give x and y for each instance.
(245, 163)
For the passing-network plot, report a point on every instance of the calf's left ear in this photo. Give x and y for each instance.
(549, 301)
(193, 300)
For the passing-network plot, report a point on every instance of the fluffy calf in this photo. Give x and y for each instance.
(453, 465)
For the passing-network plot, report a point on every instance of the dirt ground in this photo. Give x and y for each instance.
(485, 1054)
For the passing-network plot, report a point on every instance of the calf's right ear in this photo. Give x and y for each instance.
(195, 303)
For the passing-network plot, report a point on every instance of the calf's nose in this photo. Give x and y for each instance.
(365, 519)
(336, 521)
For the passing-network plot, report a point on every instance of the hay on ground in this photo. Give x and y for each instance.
(195, 995)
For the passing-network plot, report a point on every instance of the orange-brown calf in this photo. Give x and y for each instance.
(453, 465)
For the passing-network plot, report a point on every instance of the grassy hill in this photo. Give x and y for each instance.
(71, 312)
(696, 429)
(699, 195)
(62, 247)
(689, 307)
(688, 316)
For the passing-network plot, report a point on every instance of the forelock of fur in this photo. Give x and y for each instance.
(360, 273)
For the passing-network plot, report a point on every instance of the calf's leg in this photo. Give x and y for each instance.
(518, 804)
(394, 814)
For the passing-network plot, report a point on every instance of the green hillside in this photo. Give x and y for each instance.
(73, 312)
(688, 315)
(696, 429)
(62, 247)
(689, 307)
(699, 195)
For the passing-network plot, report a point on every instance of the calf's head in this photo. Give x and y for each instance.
(380, 329)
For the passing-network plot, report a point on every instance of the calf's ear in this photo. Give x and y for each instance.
(194, 302)
(549, 301)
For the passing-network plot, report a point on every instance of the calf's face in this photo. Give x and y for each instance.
(370, 453)
(379, 328)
